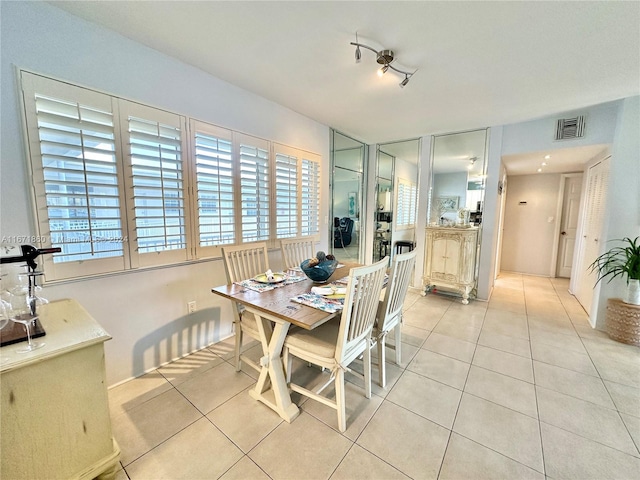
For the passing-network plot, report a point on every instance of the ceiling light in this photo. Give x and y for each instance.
(383, 57)
(544, 164)
(539, 170)
(472, 162)
(547, 157)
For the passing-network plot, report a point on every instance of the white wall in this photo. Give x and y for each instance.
(538, 135)
(143, 311)
(529, 237)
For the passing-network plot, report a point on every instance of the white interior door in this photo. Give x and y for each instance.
(596, 196)
(568, 224)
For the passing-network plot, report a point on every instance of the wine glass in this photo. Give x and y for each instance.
(19, 311)
(27, 280)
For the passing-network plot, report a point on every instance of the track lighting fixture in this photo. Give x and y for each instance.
(383, 57)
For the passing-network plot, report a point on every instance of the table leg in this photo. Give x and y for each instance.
(277, 397)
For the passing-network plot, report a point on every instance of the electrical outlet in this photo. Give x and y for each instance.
(191, 307)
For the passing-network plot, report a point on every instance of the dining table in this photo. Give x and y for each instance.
(275, 312)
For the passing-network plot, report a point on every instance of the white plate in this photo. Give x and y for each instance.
(277, 278)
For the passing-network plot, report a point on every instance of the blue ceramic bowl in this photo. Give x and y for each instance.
(320, 272)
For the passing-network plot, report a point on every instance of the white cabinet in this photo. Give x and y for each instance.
(450, 259)
(54, 413)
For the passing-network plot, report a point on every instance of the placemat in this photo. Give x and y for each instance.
(259, 287)
(330, 305)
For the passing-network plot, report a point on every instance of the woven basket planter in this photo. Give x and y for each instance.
(623, 321)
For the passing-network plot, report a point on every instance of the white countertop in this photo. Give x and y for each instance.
(68, 326)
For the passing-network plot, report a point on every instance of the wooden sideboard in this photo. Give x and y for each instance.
(450, 259)
(54, 413)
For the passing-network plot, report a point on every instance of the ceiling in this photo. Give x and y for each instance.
(478, 63)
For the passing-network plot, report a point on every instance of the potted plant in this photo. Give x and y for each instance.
(622, 261)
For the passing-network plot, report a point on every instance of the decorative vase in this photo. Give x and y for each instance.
(633, 292)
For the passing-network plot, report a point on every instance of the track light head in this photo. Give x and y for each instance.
(382, 70)
(358, 54)
(404, 82)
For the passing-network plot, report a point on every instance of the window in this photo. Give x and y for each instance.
(286, 196)
(121, 185)
(253, 154)
(406, 204)
(310, 197)
(297, 192)
(213, 155)
(72, 137)
(157, 190)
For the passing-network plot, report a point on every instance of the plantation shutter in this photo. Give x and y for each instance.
(310, 198)
(72, 139)
(406, 204)
(213, 159)
(286, 196)
(253, 159)
(157, 183)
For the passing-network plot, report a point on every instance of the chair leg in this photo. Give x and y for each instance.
(382, 367)
(398, 339)
(238, 346)
(367, 371)
(340, 401)
(287, 361)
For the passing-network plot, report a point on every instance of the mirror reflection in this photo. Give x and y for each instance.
(458, 169)
(396, 197)
(452, 240)
(384, 206)
(348, 156)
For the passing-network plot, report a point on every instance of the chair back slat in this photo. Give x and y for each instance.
(399, 280)
(360, 306)
(242, 262)
(296, 250)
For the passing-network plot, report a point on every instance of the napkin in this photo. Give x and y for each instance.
(269, 275)
(328, 290)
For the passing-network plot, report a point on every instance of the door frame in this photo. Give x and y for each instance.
(553, 271)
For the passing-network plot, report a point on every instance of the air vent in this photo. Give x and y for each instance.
(567, 128)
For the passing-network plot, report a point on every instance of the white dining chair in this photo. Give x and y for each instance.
(242, 262)
(297, 250)
(389, 316)
(335, 345)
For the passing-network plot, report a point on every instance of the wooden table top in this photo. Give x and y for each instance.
(277, 302)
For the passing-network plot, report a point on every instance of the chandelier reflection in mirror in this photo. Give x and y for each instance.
(384, 57)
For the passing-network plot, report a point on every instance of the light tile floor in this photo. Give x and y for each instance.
(519, 388)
